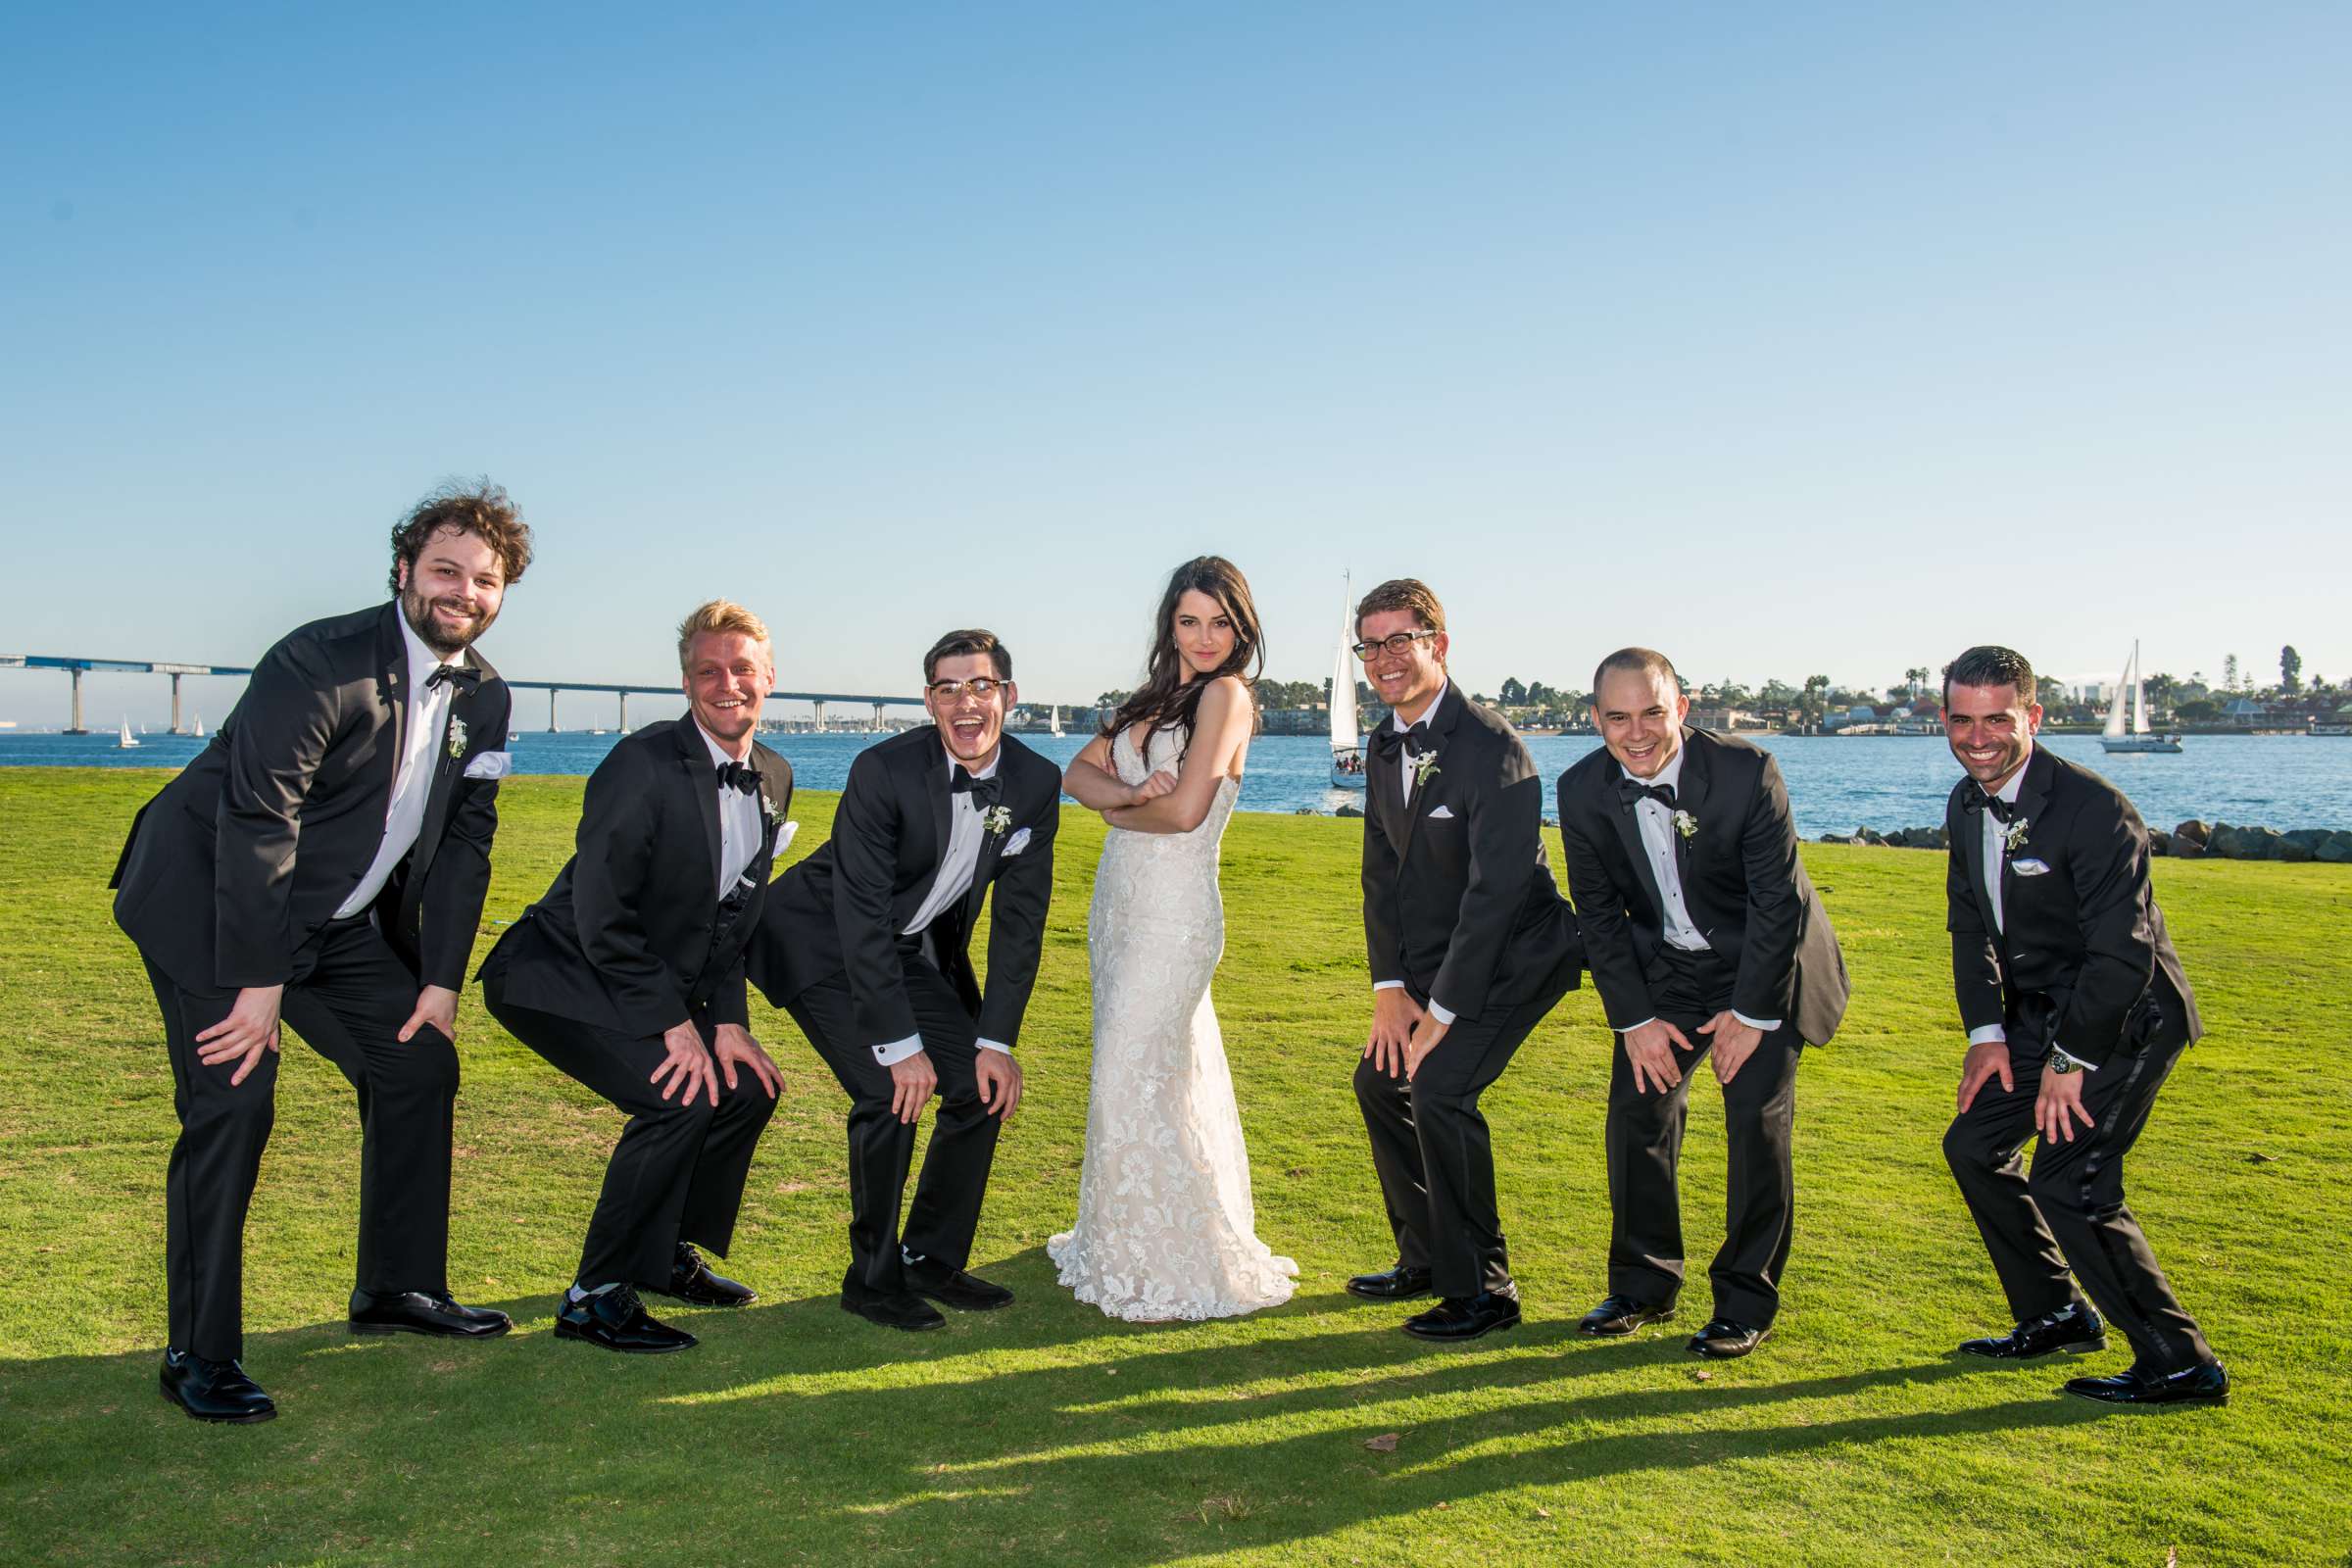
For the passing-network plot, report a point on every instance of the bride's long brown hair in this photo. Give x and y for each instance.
(1166, 699)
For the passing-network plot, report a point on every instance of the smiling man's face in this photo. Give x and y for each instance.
(1639, 716)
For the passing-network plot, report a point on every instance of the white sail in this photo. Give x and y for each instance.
(128, 740)
(1057, 719)
(2114, 730)
(2139, 696)
(1345, 736)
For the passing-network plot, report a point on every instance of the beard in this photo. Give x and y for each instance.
(418, 611)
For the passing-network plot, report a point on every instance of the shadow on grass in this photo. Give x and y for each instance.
(1046, 1425)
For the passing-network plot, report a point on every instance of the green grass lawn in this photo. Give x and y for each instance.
(1048, 1432)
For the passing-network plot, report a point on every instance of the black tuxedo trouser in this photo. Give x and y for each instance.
(2071, 1210)
(1644, 1139)
(945, 1211)
(679, 1171)
(1432, 1150)
(349, 997)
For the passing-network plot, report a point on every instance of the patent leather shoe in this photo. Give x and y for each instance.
(2203, 1384)
(895, 1310)
(2072, 1330)
(1465, 1317)
(691, 1282)
(1721, 1339)
(213, 1390)
(421, 1312)
(953, 1286)
(1401, 1282)
(616, 1320)
(1622, 1315)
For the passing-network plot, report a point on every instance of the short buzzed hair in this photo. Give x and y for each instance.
(1991, 664)
(971, 640)
(1403, 593)
(721, 616)
(1645, 659)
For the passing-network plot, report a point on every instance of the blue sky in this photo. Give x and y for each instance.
(1788, 339)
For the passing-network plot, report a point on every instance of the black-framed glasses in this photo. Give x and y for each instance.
(980, 686)
(1398, 643)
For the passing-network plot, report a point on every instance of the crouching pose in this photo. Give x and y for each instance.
(628, 977)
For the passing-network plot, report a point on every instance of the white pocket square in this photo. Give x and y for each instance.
(2030, 867)
(784, 836)
(1015, 844)
(490, 765)
(1440, 814)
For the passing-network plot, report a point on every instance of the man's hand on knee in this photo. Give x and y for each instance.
(1000, 1080)
(913, 1081)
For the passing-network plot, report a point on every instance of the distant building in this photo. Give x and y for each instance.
(1724, 718)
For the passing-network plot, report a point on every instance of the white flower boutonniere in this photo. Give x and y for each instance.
(994, 820)
(769, 810)
(456, 738)
(1425, 765)
(2013, 837)
(1686, 824)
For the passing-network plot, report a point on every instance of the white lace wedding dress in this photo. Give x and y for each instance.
(1166, 1225)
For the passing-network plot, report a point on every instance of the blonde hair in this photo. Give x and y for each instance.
(721, 616)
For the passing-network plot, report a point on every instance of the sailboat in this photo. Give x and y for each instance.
(1057, 719)
(198, 732)
(1347, 741)
(128, 740)
(2141, 738)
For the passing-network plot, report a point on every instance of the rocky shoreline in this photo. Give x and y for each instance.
(2192, 840)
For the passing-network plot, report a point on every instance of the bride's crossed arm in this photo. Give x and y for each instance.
(1221, 727)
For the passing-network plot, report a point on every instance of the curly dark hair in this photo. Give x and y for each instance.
(481, 509)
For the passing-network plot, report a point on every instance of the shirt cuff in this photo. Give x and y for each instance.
(1388, 985)
(2087, 1066)
(1985, 1034)
(1643, 1024)
(990, 1045)
(898, 1051)
(1755, 1023)
(1439, 1011)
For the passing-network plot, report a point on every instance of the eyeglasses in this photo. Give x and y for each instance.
(981, 687)
(1398, 643)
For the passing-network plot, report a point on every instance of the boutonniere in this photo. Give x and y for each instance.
(456, 738)
(2013, 837)
(1424, 764)
(994, 820)
(769, 810)
(1686, 824)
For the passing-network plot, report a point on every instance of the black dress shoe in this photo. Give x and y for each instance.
(691, 1282)
(617, 1321)
(2070, 1331)
(1465, 1317)
(213, 1390)
(1721, 1339)
(417, 1313)
(953, 1286)
(1622, 1315)
(902, 1309)
(1402, 1282)
(2204, 1384)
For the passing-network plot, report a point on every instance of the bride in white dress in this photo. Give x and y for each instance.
(1166, 1225)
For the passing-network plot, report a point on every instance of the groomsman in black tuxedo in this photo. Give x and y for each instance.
(1706, 939)
(628, 977)
(2074, 1001)
(322, 862)
(866, 943)
(1470, 946)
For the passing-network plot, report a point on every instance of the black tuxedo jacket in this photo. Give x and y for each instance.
(630, 936)
(235, 865)
(2084, 945)
(1742, 884)
(840, 910)
(1459, 902)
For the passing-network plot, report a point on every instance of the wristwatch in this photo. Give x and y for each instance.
(2059, 1062)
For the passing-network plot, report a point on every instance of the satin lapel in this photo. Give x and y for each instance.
(447, 770)
(701, 781)
(933, 781)
(992, 844)
(1439, 730)
(1690, 795)
(1629, 838)
(1971, 850)
(772, 791)
(392, 690)
(2031, 796)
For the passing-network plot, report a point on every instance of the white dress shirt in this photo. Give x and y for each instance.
(954, 880)
(422, 734)
(739, 829)
(1405, 785)
(1995, 860)
(1656, 824)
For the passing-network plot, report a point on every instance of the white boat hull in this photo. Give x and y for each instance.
(2141, 743)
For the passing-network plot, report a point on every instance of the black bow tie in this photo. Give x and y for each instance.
(1631, 790)
(1388, 743)
(739, 776)
(2002, 811)
(983, 791)
(464, 676)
